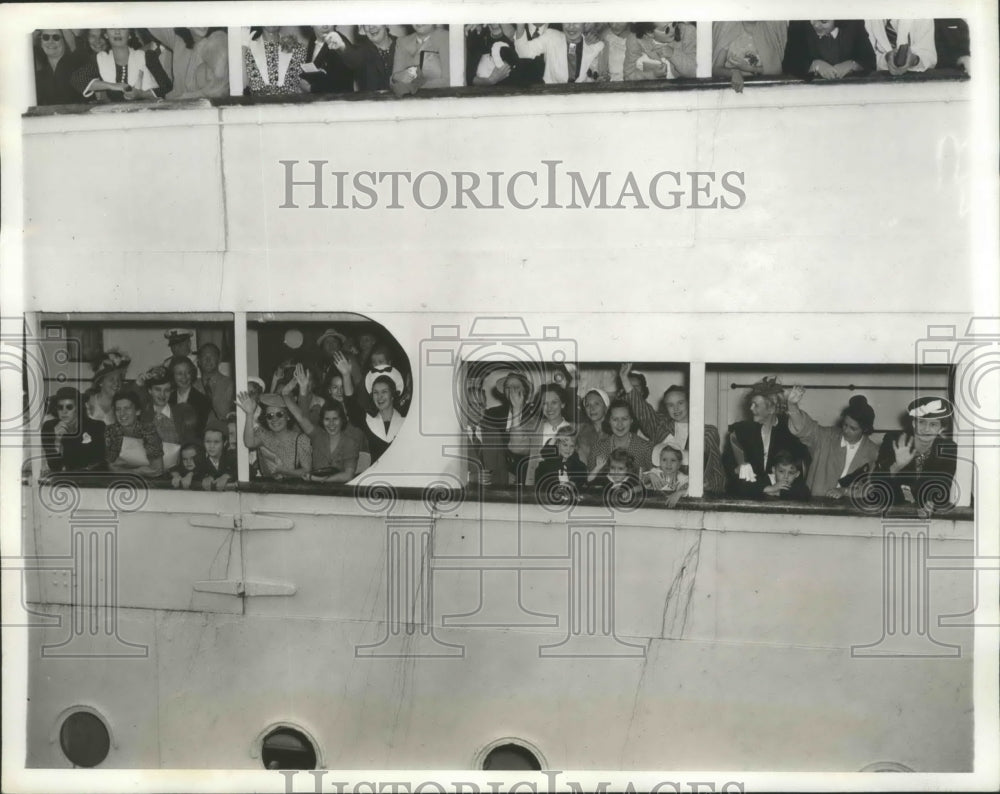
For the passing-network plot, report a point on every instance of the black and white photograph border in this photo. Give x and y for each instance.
(431, 625)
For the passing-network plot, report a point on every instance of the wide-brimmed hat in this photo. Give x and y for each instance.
(930, 408)
(271, 399)
(110, 361)
(384, 372)
(331, 332)
(175, 335)
(767, 387)
(154, 376)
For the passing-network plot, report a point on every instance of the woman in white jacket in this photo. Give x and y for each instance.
(531, 41)
(120, 71)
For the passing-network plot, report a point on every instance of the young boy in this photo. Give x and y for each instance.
(786, 476)
(618, 475)
(185, 472)
(565, 466)
(219, 466)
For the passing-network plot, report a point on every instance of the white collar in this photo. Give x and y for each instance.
(377, 425)
(845, 445)
(549, 429)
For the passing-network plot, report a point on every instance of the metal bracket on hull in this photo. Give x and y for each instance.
(240, 587)
(241, 521)
(244, 589)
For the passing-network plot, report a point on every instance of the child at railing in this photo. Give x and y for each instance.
(667, 477)
(565, 467)
(187, 469)
(219, 465)
(618, 471)
(786, 476)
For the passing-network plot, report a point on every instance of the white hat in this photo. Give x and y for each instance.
(384, 372)
(175, 335)
(929, 408)
(605, 398)
(669, 441)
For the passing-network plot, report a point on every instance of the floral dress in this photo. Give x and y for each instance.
(273, 69)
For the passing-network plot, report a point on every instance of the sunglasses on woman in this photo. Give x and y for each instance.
(275, 415)
(65, 407)
(52, 37)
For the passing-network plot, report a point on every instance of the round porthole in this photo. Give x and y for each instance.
(886, 766)
(287, 748)
(84, 739)
(510, 755)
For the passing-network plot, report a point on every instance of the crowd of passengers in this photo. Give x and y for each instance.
(561, 442)
(127, 64)
(573, 52)
(326, 416)
(322, 417)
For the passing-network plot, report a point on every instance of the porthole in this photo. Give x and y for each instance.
(886, 766)
(510, 755)
(84, 739)
(287, 748)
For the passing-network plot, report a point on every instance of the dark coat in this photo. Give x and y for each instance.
(82, 451)
(747, 435)
(804, 47)
(928, 487)
(364, 60)
(336, 77)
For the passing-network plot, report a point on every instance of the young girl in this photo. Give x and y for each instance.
(187, 469)
(668, 477)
